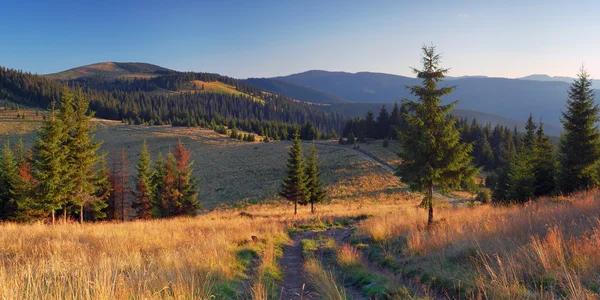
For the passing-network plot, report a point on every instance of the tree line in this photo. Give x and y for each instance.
(64, 172)
(129, 101)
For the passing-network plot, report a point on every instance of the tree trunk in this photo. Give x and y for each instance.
(430, 204)
(312, 208)
(81, 214)
(295, 207)
(53, 217)
(65, 214)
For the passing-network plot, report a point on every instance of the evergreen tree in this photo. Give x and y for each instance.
(314, 186)
(96, 210)
(83, 155)
(187, 191)
(8, 184)
(383, 123)
(158, 184)
(293, 186)
(144, 191)
(530, 133)
(579, 150)
(431, 150)
(544, 164)
(51, 167)
(485, 154)
(370, 131)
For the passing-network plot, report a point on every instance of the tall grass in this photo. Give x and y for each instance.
(323, 281)
(178, 259)
(544, 249)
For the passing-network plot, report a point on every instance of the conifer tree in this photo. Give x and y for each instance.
(293, 186)
(158, 184)
(520, 175)
(83, 155)
(8, 184)
(96, 210)
(579, 150)
(383, 123)
(186, 189)
(144, 190)
(314, 186)
(431, 150)
(51, 167)
(544, 164)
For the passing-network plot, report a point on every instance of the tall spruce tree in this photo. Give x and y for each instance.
(579, 150)
(186, 187)
(8, 184)
(50, 164)
(520, 175)
(293, 186)
(316, 193)
(431, 150)
(144, 188)
(83, 156)
(544, 164)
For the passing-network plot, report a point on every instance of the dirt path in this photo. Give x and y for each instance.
(294, 285)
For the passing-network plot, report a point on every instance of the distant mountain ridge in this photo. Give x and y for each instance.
(509, 98)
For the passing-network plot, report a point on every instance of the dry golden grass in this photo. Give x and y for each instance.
(543, 249)
(209, 255)
(179, 259)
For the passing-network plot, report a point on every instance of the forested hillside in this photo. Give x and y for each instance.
(295, 91)
(161, 100)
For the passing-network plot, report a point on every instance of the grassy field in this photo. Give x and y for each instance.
(215, 87)
(228, 171)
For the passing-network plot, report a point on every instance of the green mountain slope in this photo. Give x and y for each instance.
(112, 70)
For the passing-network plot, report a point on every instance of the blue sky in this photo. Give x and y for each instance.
(270, 38)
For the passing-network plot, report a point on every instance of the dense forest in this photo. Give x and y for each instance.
(140, 101)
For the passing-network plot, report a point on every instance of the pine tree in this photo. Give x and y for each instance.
(83, 156)
(431, 150)
(8, 184)
(50, 167)
(370, 131)
(579, 150)
(187, 191)
(520, 175)
(144, 191)
(158, 184)
(314, 186)
(383, 123)
(293, 186)
(96, 210)
(544, 164)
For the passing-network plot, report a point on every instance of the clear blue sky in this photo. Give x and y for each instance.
(269, 38)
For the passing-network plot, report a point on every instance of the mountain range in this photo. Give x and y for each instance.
(497, 100)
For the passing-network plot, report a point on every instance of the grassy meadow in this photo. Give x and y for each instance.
(369, 241)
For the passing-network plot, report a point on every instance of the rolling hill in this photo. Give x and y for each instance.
(509, 98)
(295, 91)
(112, 70)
